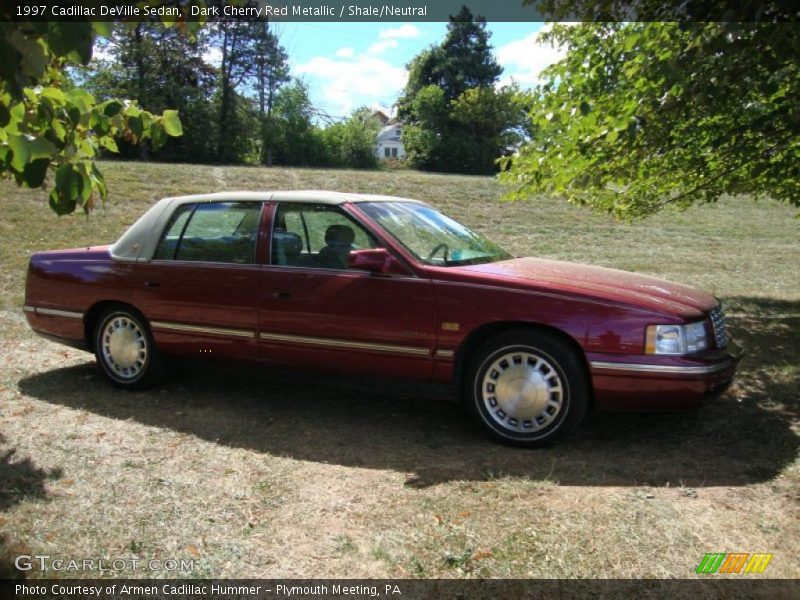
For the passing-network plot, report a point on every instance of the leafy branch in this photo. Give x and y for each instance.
(47, 126)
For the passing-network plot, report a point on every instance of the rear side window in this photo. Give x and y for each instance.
(172, 234)
(223, 232)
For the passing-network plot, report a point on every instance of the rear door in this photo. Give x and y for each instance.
(200, 291)
(315, 312)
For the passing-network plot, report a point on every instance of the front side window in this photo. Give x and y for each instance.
(224, 232)
(432, 237)
(387, 152)
(316, 236)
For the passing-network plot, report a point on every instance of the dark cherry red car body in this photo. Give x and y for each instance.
(388, 315)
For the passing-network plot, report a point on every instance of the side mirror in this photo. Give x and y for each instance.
(375, 260)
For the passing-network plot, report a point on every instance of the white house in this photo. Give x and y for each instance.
(388, 144)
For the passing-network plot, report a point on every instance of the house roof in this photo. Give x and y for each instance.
(381, 116)
(389, 133)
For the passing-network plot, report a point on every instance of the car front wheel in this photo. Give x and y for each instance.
(125, 349)
(527, 388)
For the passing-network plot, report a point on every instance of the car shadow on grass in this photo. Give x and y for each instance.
(743, 437)
(20, 479)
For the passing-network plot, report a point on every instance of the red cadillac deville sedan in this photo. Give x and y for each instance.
(388, 287)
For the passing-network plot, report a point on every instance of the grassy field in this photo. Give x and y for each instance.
(252, 474)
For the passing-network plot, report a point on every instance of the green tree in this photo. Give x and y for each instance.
(272, 72)
(351, 143)
(238, 42)
(639, 116)
(462, 61)
(253, 65)
(47, 126)
(468, 61)
(455, 119)
(162, 68)
(466, 135)
(426, 119)
(488, 123)
(297, 141)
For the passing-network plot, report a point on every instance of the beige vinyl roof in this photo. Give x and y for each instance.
(139, 242)
(318, 196)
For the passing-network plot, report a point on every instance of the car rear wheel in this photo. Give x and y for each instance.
(527, 388)
(125, 350)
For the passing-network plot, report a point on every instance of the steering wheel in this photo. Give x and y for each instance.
(436, 249)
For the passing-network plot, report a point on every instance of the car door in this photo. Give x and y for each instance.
(200, 290)
(316, 313)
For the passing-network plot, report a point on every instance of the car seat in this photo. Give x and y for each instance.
(339, 240)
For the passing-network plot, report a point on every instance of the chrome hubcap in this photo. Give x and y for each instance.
(124, 347)
(522, 391)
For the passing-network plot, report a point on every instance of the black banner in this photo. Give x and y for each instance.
(401, 10)
(385, 589)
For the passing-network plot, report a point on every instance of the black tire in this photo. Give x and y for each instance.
(537, 396)
(139, 364)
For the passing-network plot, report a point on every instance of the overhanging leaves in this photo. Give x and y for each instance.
(639, 116)
(44, 127)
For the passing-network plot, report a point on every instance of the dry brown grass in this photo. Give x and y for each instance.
(263, 474)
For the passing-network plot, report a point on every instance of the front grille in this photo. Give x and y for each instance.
(718, 323)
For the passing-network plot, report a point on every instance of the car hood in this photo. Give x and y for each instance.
(645, 292)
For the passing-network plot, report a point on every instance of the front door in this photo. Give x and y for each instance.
(316, 312)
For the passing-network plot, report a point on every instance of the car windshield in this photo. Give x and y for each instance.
(435, 239)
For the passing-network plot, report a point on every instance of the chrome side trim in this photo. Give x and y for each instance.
(443, 354)
(202, 330)
(52, 312)
(352, 344)
(352, 272)
(640, 368)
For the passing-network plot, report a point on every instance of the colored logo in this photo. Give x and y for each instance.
(734, 562)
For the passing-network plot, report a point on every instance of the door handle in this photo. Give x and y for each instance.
(151, 284)
(283, 295)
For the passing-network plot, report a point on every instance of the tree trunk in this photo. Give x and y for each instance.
(225, 96)
(262, 100)
(140, 83)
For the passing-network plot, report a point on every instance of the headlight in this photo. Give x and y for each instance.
(676, 339)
